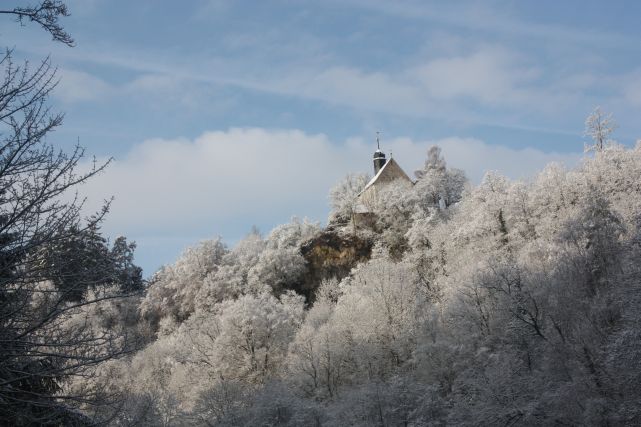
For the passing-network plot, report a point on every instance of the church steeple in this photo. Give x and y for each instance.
(379, 156)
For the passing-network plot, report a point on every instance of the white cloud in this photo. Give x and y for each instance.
(163, 90)
(476, 157)
(172, 192)
(154, 83)
(375, 91)
(490, 76)
(223, 175)
(78, 86)
(219, 176)
(437, 83)
(438, 87)
(631, 88)
(156, 89)
(494, 19)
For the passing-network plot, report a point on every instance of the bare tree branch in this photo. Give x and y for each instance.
(47, 14)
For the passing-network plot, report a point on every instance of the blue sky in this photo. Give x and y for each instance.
(226, 114)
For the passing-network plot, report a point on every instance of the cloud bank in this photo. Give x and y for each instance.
(172, 192)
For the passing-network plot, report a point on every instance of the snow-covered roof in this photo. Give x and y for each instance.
(380, 171)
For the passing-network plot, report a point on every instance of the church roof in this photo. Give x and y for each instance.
(385, 171)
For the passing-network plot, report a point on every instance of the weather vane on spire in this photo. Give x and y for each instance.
(378, 142)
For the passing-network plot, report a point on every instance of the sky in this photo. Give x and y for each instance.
(221, 115)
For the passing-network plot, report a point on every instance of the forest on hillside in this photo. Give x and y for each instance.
(513, 303)
(510, 302)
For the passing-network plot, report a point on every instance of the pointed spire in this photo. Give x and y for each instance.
(379, 156)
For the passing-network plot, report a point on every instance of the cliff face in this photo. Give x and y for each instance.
(331, 254)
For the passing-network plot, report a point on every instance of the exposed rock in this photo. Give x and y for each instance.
(331, 254)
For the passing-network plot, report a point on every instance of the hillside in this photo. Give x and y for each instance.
(516, 303)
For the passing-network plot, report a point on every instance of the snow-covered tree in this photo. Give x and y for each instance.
(281, 264)
(599, 126)
(255, 332)
(54, 265)
(437, 185)
(171, 295)
(344, 196)
(516, 304)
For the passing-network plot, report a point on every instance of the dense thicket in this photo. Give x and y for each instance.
(508, 303)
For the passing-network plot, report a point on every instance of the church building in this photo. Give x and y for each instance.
(385, 172)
